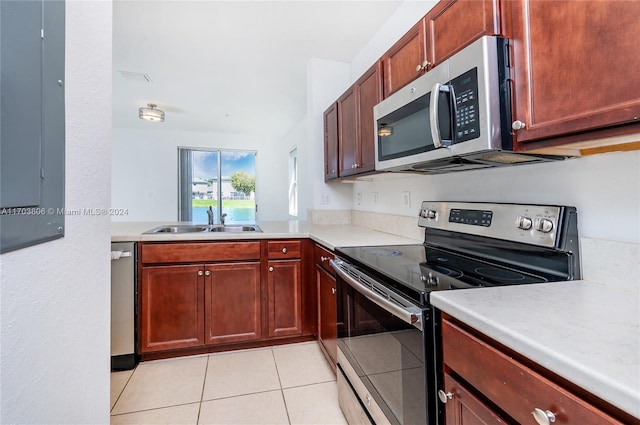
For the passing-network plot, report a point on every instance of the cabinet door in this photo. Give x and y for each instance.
(447, 36)
(327, 312)
(284, 298)
(232, 302)
(588, 82)
(402, 60)
(331, 143)
(171, 308)
(369, 94)
(347, 132)
(463, 408)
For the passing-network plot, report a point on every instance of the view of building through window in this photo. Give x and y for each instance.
(224, 180)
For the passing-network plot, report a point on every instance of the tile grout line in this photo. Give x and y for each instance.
(284, 400)
(122, 391)
(204, 382)
(154, 408)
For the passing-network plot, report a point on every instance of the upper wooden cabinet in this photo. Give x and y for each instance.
(575, 70)
(356, 134)
(446, 29)
(454, 24)
(406, 60)
(331, 142)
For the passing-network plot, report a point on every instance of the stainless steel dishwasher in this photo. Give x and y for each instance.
(123, 305)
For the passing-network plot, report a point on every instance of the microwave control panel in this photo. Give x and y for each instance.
(467, 124)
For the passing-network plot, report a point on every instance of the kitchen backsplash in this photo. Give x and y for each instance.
(329, 216)
(613, 263)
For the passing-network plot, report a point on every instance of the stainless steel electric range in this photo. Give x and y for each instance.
(389, 335)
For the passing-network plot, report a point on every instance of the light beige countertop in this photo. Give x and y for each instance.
(329, 235)
(586, 332)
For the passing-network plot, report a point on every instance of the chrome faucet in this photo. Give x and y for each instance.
(210, 214)
(222, 217)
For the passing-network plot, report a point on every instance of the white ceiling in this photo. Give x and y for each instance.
(231, 66)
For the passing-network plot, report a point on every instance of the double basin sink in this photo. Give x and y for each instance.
(201, 228)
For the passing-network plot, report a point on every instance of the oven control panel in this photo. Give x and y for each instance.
(532, 224)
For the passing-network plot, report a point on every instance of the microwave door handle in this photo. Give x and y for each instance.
(435, 116)
(411, 317)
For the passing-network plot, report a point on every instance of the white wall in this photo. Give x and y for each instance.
(604, 188)
(145, 171)
(405, 17)
(55, 297)
(326, 81)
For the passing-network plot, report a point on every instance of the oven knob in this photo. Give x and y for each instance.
(523, 223)
(431, 214)
(544, 225)
(429, 280)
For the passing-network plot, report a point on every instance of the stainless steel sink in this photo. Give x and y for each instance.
(195, 228)
(236, 229)
(179, 228)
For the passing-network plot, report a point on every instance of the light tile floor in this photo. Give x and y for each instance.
(287, 384)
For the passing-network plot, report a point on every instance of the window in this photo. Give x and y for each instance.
(293, 182)
(221, 179)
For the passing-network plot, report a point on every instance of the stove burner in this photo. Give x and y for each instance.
(445, 270)
(382, 252)
(499, 274)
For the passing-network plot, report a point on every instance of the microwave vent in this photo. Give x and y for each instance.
(508, 158)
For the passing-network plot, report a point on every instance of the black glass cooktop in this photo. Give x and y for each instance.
(417, 270)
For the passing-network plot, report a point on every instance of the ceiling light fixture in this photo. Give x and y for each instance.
(150, 113)
(385, 131)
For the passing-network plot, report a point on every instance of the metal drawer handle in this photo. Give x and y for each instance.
(323, 259)
(543, 417)
(409, 314)
(270, 269)
(200, 273)
(207, 273)
(284, 250)
(333, 290)
(444, 397)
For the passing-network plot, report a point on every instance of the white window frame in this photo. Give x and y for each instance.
(293, 182)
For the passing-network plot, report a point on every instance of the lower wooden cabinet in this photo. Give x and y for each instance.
(327, 313)
(195, 305)
(329, 307)
(501, 388)
(467, 409)
(198, 297)
(232, 303)
(284, 298)
(172, 307)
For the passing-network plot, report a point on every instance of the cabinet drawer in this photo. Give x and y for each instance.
(283, 249)
(322, 256)
(199, 252)
(512, 386)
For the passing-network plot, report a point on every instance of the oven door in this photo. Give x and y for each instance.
(381, 353)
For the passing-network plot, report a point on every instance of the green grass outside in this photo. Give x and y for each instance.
(204, 203)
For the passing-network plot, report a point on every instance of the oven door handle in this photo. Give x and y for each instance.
(411, 317)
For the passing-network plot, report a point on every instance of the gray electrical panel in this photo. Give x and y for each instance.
(32, 122)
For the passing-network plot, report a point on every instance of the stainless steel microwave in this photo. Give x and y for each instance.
(455, 117)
